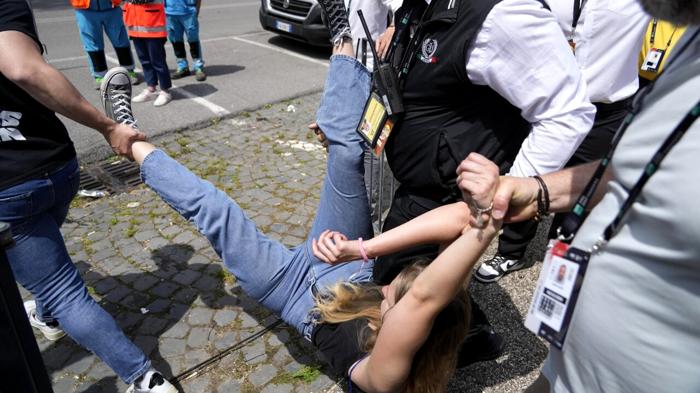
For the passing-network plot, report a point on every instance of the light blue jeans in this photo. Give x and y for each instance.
(40, 262)
(279, 278)
(91, 25)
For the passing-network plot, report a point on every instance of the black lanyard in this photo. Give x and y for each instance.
(409, 56)
(653, 34)
(578, 7)
(575, 218)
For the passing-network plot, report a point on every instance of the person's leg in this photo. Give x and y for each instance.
(41, 264)
(149, 74)
(116, 32)
(156, 52)
(90, 29)
(343, 206)
(257, 261)
(176, 31)
(191, 23)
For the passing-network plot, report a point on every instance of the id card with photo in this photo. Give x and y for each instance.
(557, 290)
(373, 119)
(652, 62)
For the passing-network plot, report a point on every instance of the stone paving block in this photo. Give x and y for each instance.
(224, 317)
(170, 347)
(247, 321)
(254, 353)
(184, 237)
(186, 295)
(117, 294)
(105, 285)
(144, 235)
(262, 375)
(128, 319)
(178, 330)
(164, 289)
(199, 384)
(225, 341)
(158, 306)
(79, 363)
(152, 325)
(229, 386)
(198, 337)
(272, 388)
(196, 356)
(99, 370)
(145, 281)
(200, 316)
(186, 277)
(146, 343)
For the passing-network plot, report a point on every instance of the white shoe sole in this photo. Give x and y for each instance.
(51, 334)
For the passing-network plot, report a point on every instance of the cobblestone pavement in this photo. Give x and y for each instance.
(168, 290)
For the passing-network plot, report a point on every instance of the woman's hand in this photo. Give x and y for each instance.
(477, 178)
(334, 247)
(320, 136)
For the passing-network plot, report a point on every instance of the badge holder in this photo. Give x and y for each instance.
(652, 61)
(384, 103)
(557, 291)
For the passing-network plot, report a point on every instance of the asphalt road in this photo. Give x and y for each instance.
(247, 68)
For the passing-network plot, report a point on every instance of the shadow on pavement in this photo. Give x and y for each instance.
(316, 52)
(179, 286)
(222, 69)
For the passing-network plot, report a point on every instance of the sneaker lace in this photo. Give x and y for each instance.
(496, 261)
(121, 104)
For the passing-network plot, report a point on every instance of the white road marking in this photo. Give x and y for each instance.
(280, 50)
(212, 107)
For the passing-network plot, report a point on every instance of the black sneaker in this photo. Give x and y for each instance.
(115, 92)
(180, 73)
(497, 267)
(481, 345)
(200, 75)
(336, 19)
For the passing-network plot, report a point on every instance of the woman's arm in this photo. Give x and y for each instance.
(407, 325)
(438, 226)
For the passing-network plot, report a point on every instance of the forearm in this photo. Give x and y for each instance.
(437, 285)
(52, 89)
(438, 226)
(567, 185)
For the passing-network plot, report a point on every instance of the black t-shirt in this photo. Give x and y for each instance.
(32, 139)
(340, 344)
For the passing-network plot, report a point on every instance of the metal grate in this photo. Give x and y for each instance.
(115, 177)
(292, 7)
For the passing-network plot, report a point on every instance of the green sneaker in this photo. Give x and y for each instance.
(98, 82)
(199, 75)
(135, 80)
(180, 73)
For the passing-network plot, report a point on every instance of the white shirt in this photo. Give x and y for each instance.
(608, 37)
(375, 13)
(521, 53)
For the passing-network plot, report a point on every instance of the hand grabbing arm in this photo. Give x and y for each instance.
(22, 64)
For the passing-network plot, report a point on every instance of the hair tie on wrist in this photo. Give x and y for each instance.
(362, 250)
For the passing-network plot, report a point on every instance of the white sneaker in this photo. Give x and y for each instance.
(497, 267)
(51, 333)
(151, 382)
(145, 95)
(163, 98)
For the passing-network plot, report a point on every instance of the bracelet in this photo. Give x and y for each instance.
(363, 253)
(542, 199)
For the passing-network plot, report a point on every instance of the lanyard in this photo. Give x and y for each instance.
(653, 34)
(409, 56)
(578, 7)
(575, 218)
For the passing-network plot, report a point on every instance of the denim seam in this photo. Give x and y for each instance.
(131, 378)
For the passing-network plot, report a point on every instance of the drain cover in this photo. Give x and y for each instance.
(115, 177)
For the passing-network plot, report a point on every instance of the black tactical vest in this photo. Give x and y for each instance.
(447, 117)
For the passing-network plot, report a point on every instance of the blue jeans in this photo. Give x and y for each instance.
(40, 262)
(282, 279)
(91, 24)
(180, 25)
(151, 54)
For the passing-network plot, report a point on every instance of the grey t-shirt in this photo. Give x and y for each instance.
(636, 327)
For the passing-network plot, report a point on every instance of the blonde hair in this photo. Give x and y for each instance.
(436, 360)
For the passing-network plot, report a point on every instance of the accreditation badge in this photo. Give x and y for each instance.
(557, 291)
(652, 62)
(375, 124)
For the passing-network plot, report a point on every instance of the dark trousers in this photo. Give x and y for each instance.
(515, 237)
(151, 54)
(406, 206)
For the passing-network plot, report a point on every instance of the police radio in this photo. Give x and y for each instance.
(385, 78)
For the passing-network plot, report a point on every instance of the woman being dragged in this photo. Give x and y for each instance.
(398, 338)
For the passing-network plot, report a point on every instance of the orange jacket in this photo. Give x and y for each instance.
(145, 20)
(85, 4)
